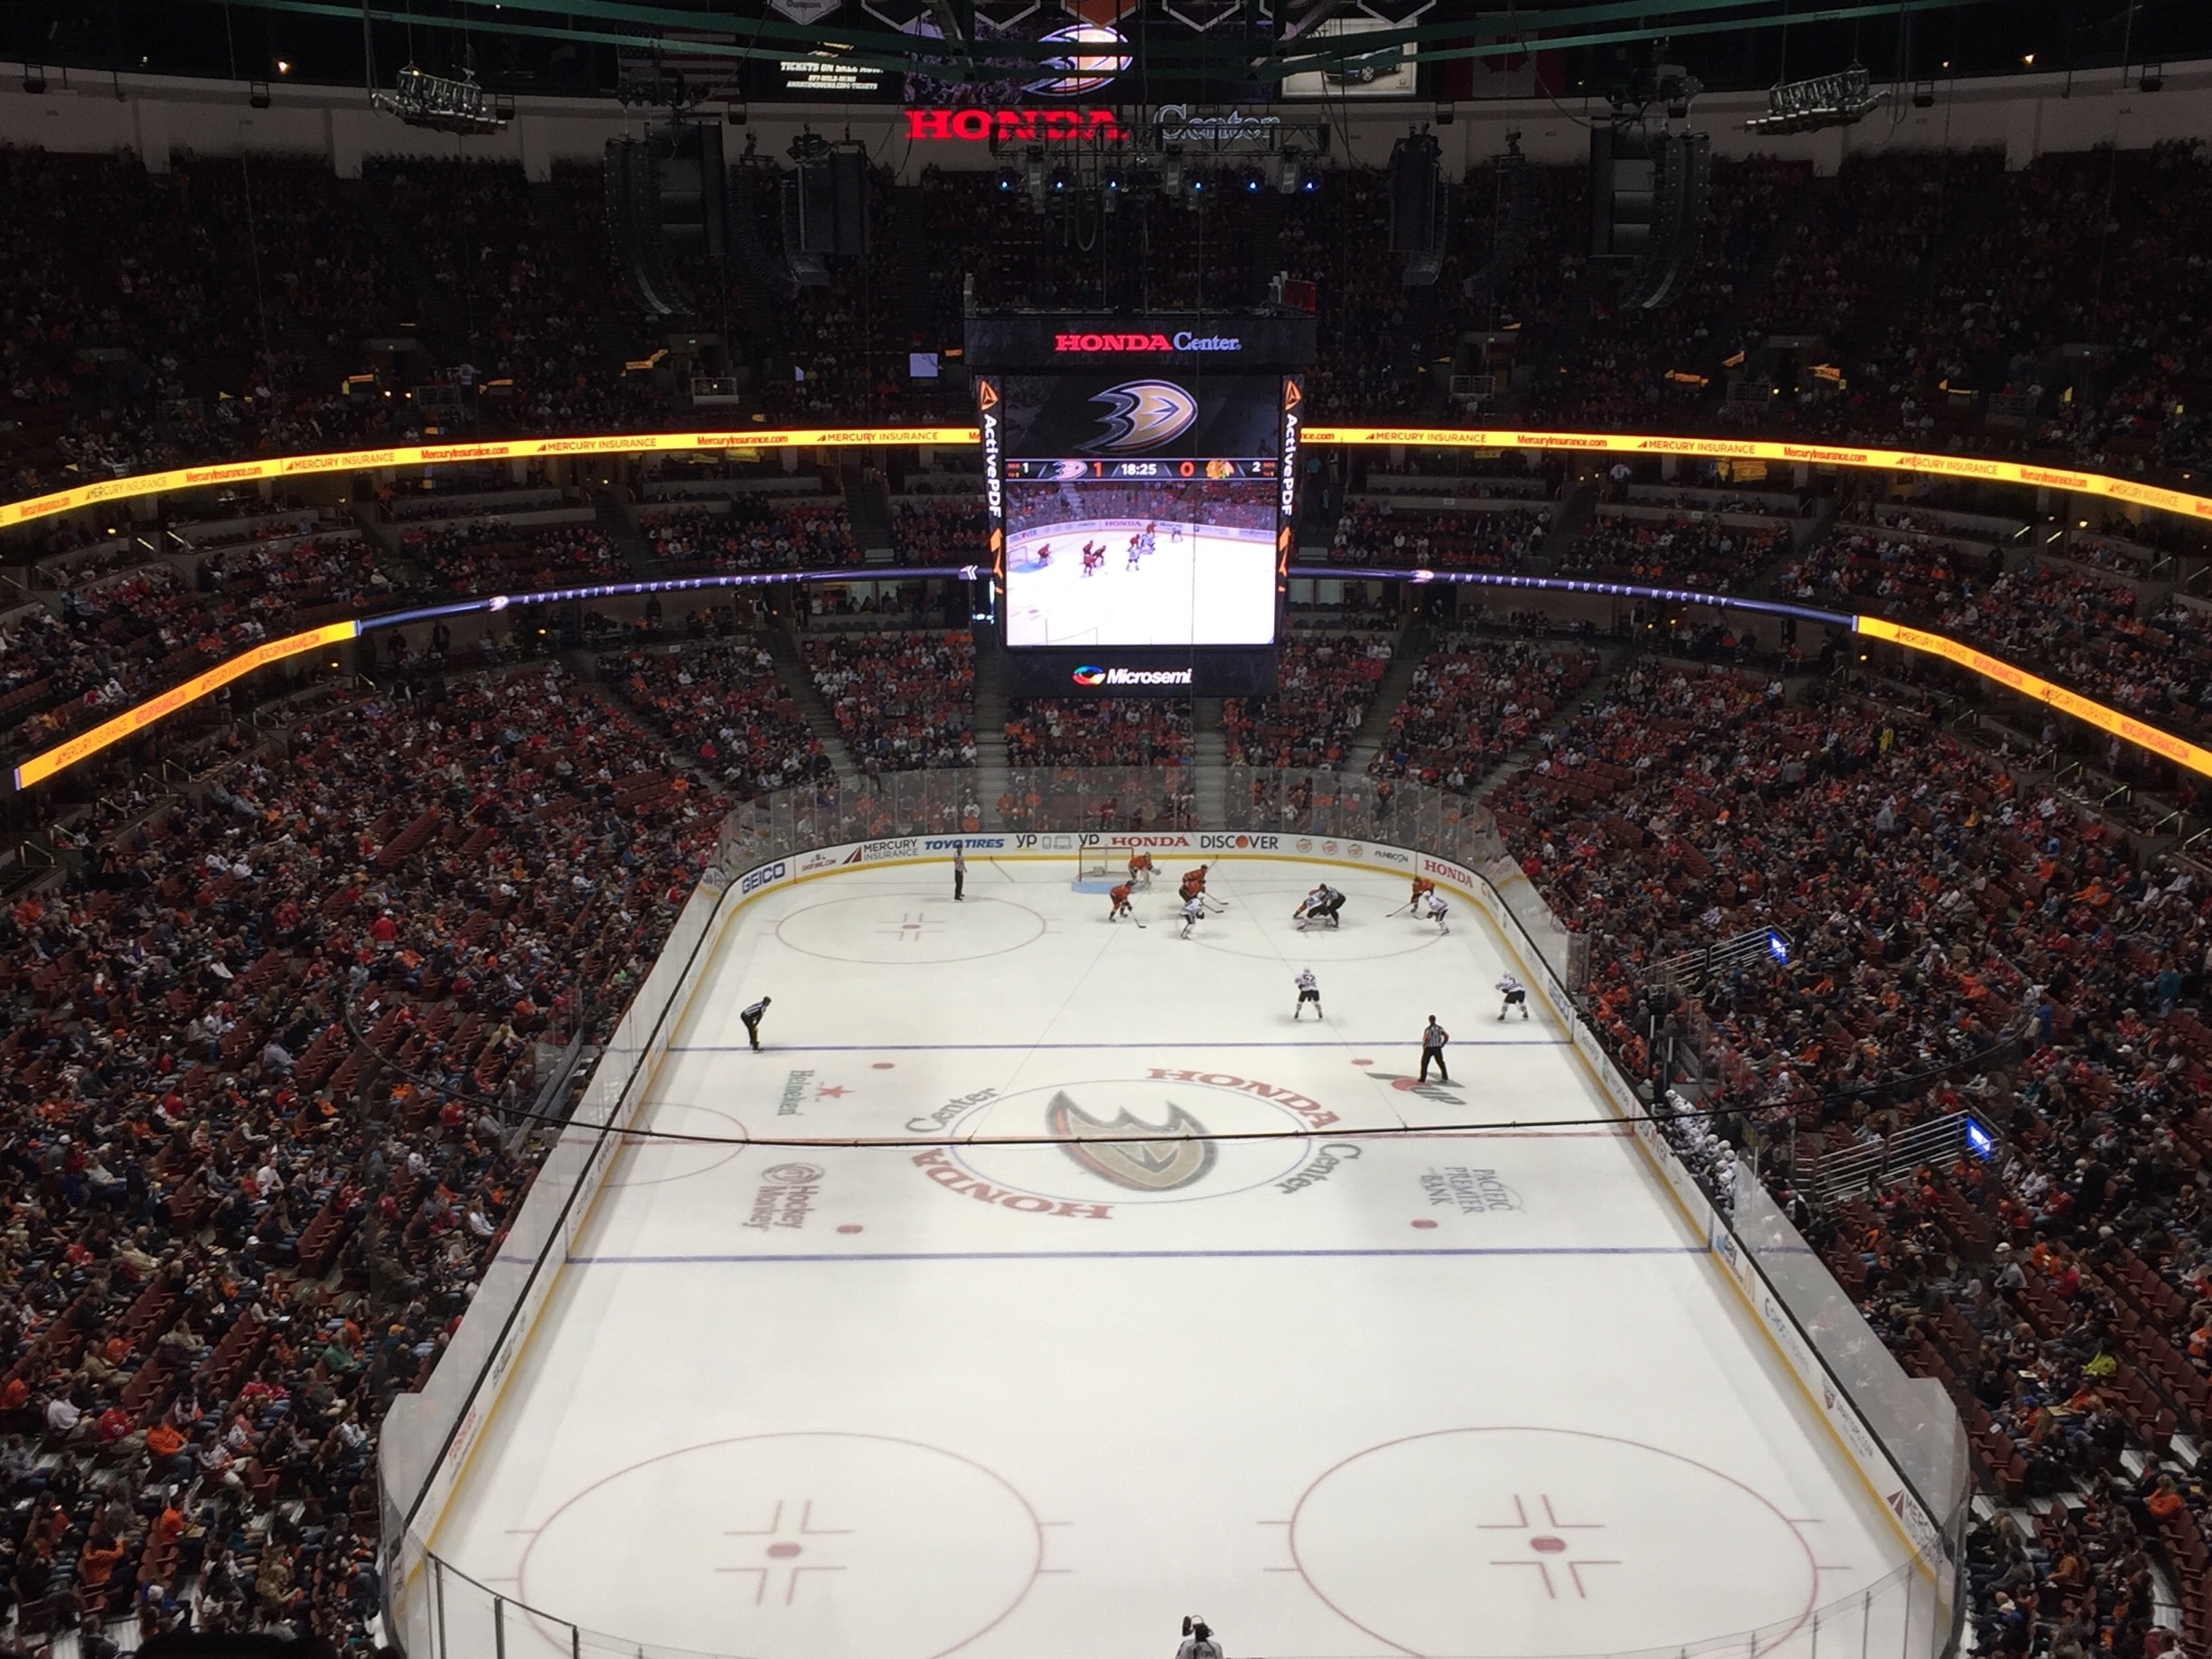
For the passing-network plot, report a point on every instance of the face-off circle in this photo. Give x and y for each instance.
(1138, 1140)
(905, 930)
(789, 1546)
(1263, 928)
(1523, 1541)
(648, 1162)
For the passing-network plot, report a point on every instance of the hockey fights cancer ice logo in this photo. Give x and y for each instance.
(1143, 415)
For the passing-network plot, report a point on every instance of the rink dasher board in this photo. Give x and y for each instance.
(1831, 1402)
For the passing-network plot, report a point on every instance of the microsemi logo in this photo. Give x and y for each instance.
(1089, 677)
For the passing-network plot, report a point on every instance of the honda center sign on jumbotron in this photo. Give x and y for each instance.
(1091, 344)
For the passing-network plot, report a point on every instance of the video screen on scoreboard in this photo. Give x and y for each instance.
(1142, 509)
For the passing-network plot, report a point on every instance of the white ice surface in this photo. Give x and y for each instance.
(1208, 588)
(1453, 1393)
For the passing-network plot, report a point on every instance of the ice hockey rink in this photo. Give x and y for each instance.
(1225, 575)
(1445, 1392)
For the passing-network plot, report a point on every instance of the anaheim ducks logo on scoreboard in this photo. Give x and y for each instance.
(1143, 415)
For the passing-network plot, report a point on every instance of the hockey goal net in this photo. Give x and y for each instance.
(1091, 864)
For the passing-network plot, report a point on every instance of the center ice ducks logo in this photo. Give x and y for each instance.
(1089, 1149)
(1143, 415)
(1089, 676)
(1147, 1157)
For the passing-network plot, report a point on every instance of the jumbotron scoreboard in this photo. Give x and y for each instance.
(1141, 476)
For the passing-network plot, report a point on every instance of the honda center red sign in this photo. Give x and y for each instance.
(981, 125)
(1086, 343)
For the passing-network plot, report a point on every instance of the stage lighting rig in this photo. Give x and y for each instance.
(1843, 100)
(446, 105)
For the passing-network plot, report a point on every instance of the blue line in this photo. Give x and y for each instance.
(1152, 1255)
(1333, 1042)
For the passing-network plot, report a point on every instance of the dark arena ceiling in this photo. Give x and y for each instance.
(961, 50)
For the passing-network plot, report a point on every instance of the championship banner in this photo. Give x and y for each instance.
(132, 721)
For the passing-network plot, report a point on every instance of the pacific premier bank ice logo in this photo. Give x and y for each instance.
(1143, 415)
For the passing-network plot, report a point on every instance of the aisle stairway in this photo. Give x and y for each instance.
(1210, 753)
(869, 508)
(1613, 661)
(993, 777)
(620, 526)
(437, 324)
(614, 333)
(1575, 509)
(791, 668)
(1406, 654)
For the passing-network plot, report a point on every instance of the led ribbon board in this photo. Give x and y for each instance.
(447, 454)
(2178, 750)
(136, 719)
(2125, 727)
(1974, 467)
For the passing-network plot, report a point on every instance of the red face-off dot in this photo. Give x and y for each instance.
(1542, 1546)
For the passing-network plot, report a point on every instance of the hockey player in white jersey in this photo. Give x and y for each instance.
(1516, 995)
(1438, 910)
(1193, 912)
(1309, 991)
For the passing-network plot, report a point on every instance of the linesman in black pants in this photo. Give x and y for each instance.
(751, 1018)
(959, 871)
(1433, 1038)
